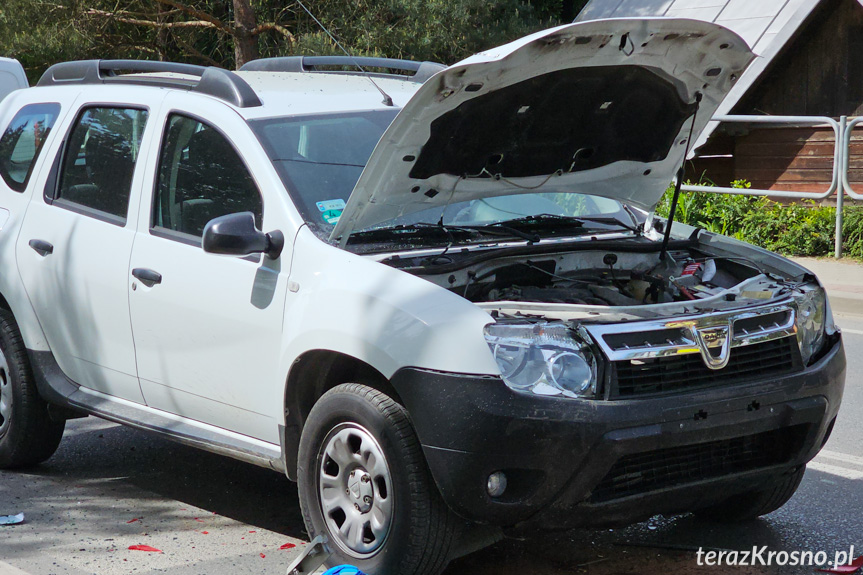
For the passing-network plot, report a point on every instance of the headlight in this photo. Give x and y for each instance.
(812, 317)
(543, 359)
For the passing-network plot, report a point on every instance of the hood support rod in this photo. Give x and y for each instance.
(679, 182)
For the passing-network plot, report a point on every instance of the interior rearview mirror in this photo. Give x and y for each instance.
(236, 235)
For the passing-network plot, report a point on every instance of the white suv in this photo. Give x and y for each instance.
(442, 304)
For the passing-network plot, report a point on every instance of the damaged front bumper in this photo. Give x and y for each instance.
(575, 463)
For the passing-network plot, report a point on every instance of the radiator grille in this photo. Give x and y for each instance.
(654, 470)
(676, 373)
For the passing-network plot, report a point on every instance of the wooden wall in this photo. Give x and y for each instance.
(819, 74)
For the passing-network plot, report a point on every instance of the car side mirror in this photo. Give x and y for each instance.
(236, 235)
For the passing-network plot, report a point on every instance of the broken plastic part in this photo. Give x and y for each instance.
(312, 557)
(855, 566)
(12, 519)
(145, 548)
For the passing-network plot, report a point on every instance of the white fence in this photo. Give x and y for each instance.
(839, 185)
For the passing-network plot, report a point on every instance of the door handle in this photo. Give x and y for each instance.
(42, 247)
(148, 277)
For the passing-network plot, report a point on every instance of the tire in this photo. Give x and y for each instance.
(28, 436)
(353, 427)
(753, 504)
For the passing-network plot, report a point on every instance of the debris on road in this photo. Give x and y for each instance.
(287, 546)
(146, 548)
(854, 567)
(133, 520)
(344, 570)
(11, 519)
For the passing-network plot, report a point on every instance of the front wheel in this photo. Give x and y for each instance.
(364, 483)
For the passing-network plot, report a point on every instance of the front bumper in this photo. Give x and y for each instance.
(558, 454)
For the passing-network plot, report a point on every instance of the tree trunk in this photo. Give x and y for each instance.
(245, 42)
(162, 34)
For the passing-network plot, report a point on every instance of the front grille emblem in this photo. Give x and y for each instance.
(715, 344)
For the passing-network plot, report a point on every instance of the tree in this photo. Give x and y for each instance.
(229, 33)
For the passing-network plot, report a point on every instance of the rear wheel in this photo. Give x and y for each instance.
(753, 504)
(28, 436)
(364, 483)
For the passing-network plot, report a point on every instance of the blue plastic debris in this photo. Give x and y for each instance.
(344, 570)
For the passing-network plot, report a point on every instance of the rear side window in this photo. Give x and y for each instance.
(201, 177)
(22, 141)
(100, 157)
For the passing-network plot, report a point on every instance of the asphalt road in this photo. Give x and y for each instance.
(109, 488)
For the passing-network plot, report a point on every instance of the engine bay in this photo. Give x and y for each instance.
(612, 284)
(604, 278)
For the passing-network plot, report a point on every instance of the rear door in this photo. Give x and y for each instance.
(76, 239)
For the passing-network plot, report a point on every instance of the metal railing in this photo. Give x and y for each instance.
(840, 183)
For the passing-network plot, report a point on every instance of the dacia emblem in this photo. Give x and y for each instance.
(711, 338)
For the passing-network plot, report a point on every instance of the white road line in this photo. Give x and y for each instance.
(853, 331)
(836, 470)
(844, 457)
(6, 569)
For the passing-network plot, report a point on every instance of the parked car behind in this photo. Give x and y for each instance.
(438, 301)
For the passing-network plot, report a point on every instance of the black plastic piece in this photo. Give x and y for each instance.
(147, 277)
(216, 82)
(227, 86)
(42, 247)
(236, 235)
(422, 71)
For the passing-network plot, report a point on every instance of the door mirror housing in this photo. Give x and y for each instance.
(236, 235)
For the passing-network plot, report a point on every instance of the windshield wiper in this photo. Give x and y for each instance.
(427, 228)
(549, 220)
(500, 229)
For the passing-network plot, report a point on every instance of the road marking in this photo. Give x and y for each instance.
(853, 331)
(844, 457)
(6, 569)
(836, 470)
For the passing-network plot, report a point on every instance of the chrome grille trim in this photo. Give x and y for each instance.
(780, 322)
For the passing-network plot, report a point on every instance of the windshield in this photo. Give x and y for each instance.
(320, 158)
(495, 209)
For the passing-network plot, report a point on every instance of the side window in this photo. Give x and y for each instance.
(22, 141)
(200, 177)
(100, 157)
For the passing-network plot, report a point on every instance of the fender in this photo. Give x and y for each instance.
(381, 316)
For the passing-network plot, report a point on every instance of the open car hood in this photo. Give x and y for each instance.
(598, 108)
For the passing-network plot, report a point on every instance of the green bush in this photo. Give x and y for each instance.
(799, 229)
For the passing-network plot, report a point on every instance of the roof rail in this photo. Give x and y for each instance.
(422, 70)
(213, 81)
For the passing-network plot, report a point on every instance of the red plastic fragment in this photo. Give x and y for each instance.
(263, 556)
(252, 531)
(854, 567)
(205, 532)
(287, 546)
(146, 548)
(133, 520)
(199, 520)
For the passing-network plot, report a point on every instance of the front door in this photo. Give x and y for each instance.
(74, 247)
(208, 328)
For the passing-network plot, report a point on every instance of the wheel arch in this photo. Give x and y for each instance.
(311, 375)
(26, 319)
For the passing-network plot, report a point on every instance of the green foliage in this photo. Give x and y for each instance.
(437, 30)
(798, 229)
(43, 32)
